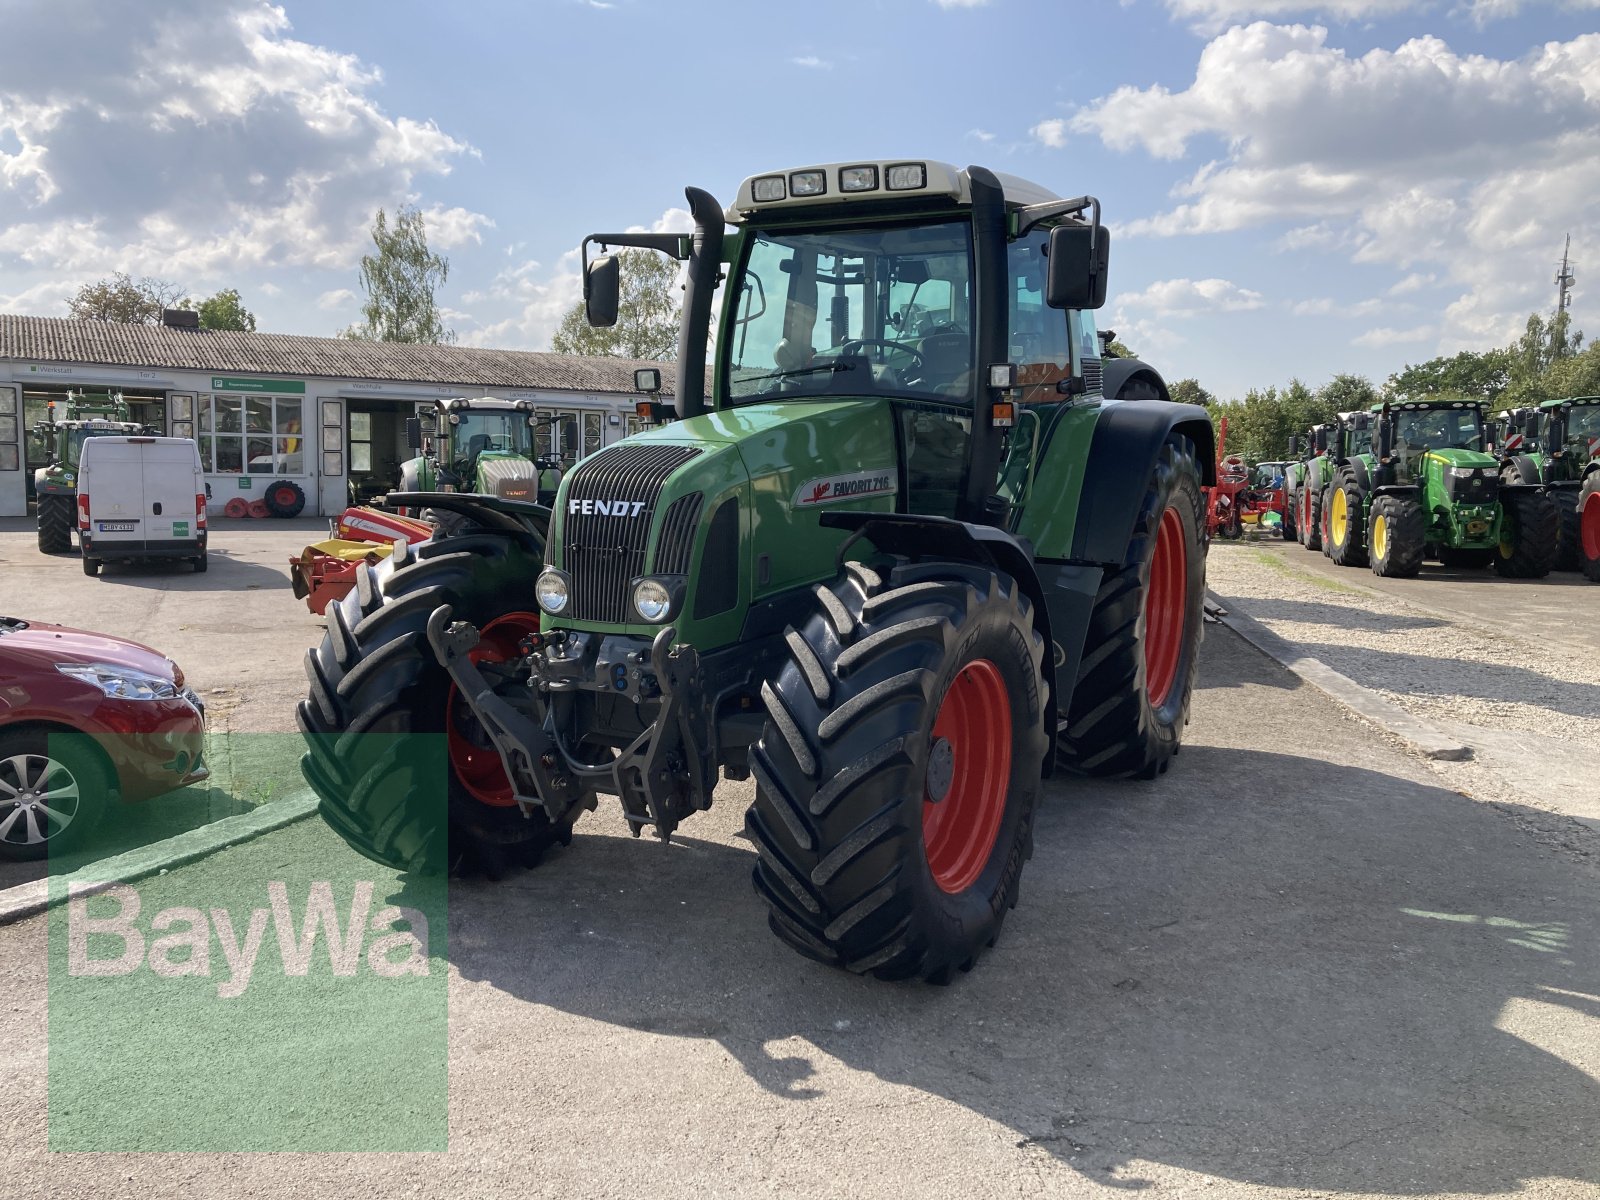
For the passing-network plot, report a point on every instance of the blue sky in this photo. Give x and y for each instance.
(1297, 189)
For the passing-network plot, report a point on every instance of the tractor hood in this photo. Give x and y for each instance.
(728, 501)
(509, 475)
(1452, 457)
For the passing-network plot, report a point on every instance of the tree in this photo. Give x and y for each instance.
(1471, 375)
(400, 278)
(123, 300)
(648, 314)
(1189, 391)
(225, 310)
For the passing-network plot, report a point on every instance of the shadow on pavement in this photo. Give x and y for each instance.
(1363, 984)
(1330, 612)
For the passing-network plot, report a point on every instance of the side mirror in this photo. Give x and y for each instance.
(1294, 445)
(1320, 441)
(647, 379)
(1079, 256)
(414, 433)
(602, 291)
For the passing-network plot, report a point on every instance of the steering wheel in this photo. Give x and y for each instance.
(852, 345)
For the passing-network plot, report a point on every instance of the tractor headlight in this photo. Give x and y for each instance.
(652, 600)
(552, 591)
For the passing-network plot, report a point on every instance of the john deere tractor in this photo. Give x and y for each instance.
(1304, 480)
(1561, 453)
(915, 547)
(1426, 486)
(81, 416)
(1343, 528)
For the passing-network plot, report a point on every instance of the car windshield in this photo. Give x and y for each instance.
(867, 310)
(499, 431)
(1438, 429)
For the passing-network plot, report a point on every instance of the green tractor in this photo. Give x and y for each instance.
(1426, 486)
(1304, 480)
(918, 548)
(1344, 542)
(55, 485)
(481, 445)
(1560, 453)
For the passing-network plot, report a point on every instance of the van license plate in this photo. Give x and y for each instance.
(117, 526)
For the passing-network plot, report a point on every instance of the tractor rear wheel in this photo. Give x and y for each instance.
(1395, 538)
(1569, 557)
(1287, 526)
(55, 524)
(1311, 524)
(1347, 522)
(899, 770)
(1131, 700)
(1589, 528)
(1528, 524)
(420, 803)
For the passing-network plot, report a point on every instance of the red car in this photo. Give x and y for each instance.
(86, 720)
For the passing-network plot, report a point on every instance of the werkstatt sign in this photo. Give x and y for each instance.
(289, 387)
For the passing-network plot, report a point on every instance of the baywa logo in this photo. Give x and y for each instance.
(177, 942)
(835, 488)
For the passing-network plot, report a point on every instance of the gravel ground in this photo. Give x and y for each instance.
(1529, 707)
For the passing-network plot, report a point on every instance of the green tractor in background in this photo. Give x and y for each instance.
(55, 485)
(1426, 486)
(920, 547)
(1304, 480)
(481, 445)
(1348, 438)
(1560, 453)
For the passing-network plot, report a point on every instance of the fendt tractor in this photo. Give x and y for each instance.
(55, 485)
(915, 548)
(481, 445)
(1426, 487)
(1561, 453)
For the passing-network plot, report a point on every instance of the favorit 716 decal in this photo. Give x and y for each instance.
(831, 488)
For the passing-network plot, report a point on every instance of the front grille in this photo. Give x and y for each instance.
(603, 548)
(1478, 488)
(677, 535)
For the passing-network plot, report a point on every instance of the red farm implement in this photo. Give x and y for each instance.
(1234, 504)
(326, 571)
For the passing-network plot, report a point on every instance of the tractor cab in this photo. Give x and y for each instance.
(1571, 430)
(1404, 435)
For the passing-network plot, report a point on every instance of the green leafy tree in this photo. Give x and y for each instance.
(123, 300)
(1576, 375)
(400, 278)
(1471, 374)
(1189, 391)
(225, 310)
(648, 314)
(1545, 343)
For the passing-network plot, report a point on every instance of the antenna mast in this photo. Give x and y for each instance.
(1564, 279)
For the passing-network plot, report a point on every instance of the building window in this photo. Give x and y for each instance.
(251, 435)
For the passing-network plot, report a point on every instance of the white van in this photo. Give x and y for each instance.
(141, 498)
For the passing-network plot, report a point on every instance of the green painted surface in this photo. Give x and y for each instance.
(1050, 516)
(282, 387)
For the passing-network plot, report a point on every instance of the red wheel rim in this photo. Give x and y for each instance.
(283, 497)
(972, 737)
(473, 757)
(1166, 606)
(1589, 527)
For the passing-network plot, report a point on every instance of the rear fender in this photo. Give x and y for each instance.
(1127, 440)
(983, 546)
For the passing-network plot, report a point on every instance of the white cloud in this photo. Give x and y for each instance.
(812, 62)
(961, 3)
(1212, 16)
(47, 299)
(1395, 337)
(1413, 282)
(1052, 132)
(1190, 297)
(980, 135)
(1462, 167)
(282, 152)
(336, 299)
(1325, 307)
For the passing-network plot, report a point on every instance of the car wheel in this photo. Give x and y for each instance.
(53, 788)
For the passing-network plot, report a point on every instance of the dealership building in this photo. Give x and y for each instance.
(327, 413)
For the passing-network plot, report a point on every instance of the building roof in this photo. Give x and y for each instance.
(55, 339)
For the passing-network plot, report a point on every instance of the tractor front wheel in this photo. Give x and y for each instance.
(1569, 553)
(1395, 538)
(55, 523)
(1528, 525)
(1589, 528)
(1131, 700)
(899, 770)
(1347, 522)
(405, 774)
(1311, 522)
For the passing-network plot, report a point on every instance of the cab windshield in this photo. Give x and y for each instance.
(77, 437)
(495, 431)
(1438, 429)
(881, 310)
(1583, 420)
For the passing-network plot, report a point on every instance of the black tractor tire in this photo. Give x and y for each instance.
(56, 519)
(1589, 527)
(1568, 533)
(852, 872)
(1113, 726)
(1528, 527)
(1466, 559)
(1396, 536)
(1287, 526)
(284, 498)
(71, 765)
(1311, 537)
(376, 687)
(1352, 550)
